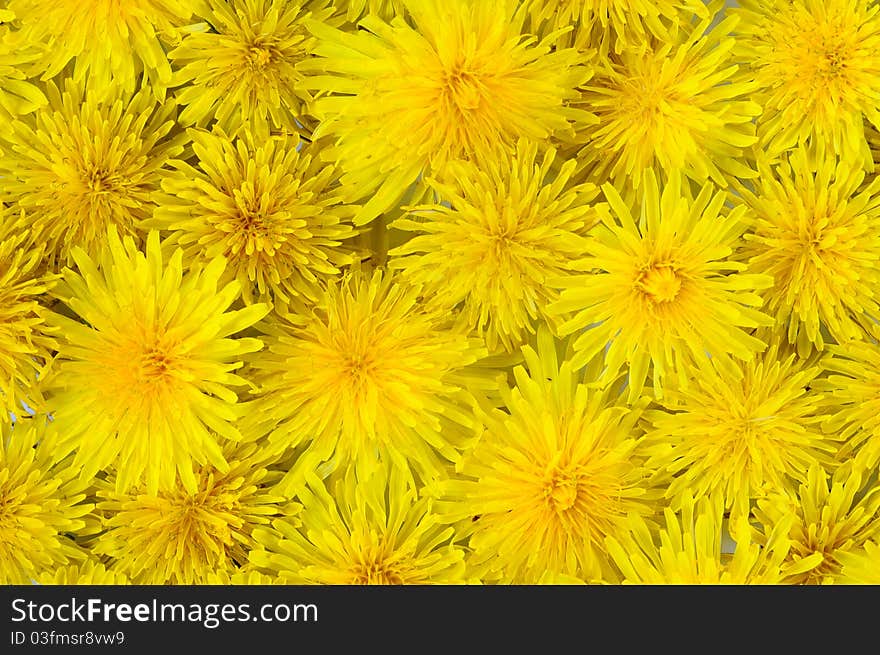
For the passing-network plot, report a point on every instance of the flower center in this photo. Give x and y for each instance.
(560, 490)
(831, 61)
(144, 371)
(155, 365)
(99, 181)
(813, 237)
(660, 283)
(259, 56)
(648, 100)
(254, 223)
(359, 368)
(376, 572)
(464, 89)
(252, 229)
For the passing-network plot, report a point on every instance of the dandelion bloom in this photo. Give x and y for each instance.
(833, 517)
(146, 381)
(854, 386)
(17, 64)
(385, 9)
(556, 471)
(690, 549)
(242, 71)
(674, 106)
(817, 70)
(84, 163)
(744, 433)
(90, 572)
(372, 530)
(177, 536)
(26, 344)
(246, 575)
(275, 213)
(860, 566)
(458, 81)
(817, 232)
(616, 24)
(106, 41)
(509, 226)
(371, 370)
(43, 503)
(666, 290)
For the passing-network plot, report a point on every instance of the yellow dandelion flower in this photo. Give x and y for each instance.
(385, 9)
(17, 63)
(245, 576)
(41, 503)
(872, 134)
(854, 385)
(832, 518)
(147, 380)
(276, 214)
(459, 81)
(861, 566)
(177, 536)
(817, 69)
(666, 290)
(90, 572)
(817, 232)
(107, 40)
(372, 370)
(25, 345)
(373, 530)
(556, 471)
(84, 163)
(508, 227)
(690, 549)
(742, 434)
(242, 70)
(617, 24)
(674, 106)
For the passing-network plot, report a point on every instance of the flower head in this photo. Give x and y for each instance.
(672, 106)
(817, 69)
(84, 163)
(242, 71)
(384, 9)
(275, 213)
(666, 290)
(365, 531)
(613, 25)
(817, 232)
(508, 227)
(146, 381)
(18, 57)
(833, 517)
(41, 503)
(90, 572)
(740, 435)
(178, 536)
(860, 566)
(556, 471)
(25, 342)
(372, 371)
(246, 575)
(690, 549)
(105, 39)
(458, 81)
(854, 386)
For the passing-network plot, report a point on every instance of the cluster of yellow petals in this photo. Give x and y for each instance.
(439, 291)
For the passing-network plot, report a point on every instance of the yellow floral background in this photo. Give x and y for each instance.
(439, 291)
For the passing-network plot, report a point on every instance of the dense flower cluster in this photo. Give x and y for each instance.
(439, 291)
